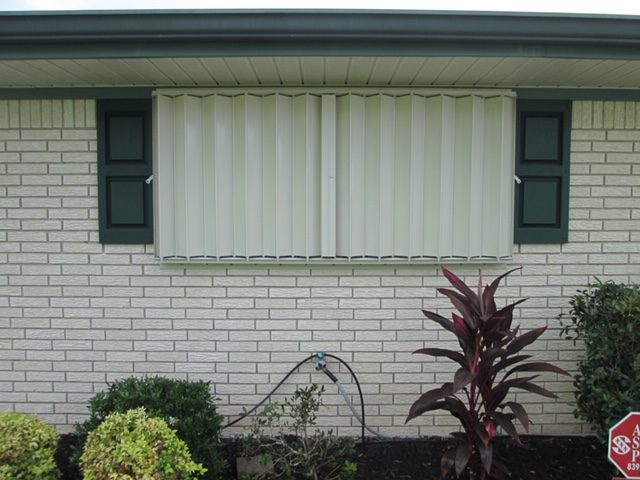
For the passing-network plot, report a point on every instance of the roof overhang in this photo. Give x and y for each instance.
(272, 47)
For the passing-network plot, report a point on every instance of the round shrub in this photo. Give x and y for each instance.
(187, 407)
(606, 320)
(134, 446)
(27, 448)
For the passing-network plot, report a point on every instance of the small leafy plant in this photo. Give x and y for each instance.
(135, 446)
(488, 363)
(27, 448)
(606, 319)
(298, 449)
(186, 406)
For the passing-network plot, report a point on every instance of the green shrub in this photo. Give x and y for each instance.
(606, 319)
(134, 446)
(299, 449)
(27, 448)
(188, 407)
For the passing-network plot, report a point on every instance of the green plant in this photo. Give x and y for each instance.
(27, 448)
(489, 359)
(299, 449)
(134, 446)
(606, 319)
(188, 407)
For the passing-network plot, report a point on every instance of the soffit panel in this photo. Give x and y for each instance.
(312, 70)
(105, 74)
(501, 71)
(363, 71)
(336, 69)
(195, 70)
(243, 71)
(430, 69)
(612, 73)
(406, 71)
(290, 72)
(219, 71)
(178, 74)
(455, 70)
(477, 68)
(85, 71)
(384, 69)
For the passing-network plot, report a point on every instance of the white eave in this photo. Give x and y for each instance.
(318, 48)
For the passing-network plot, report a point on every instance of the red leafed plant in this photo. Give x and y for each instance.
(489, 360)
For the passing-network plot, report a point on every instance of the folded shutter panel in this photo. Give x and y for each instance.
(424, 177)
(240, 176)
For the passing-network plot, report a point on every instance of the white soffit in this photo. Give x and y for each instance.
(502, 72)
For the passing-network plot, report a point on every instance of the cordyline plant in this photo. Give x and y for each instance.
(489, 360)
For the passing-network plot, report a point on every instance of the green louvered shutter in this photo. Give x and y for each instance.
(543, 134)
(124, 164)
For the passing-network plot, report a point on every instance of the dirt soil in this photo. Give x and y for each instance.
(541, 458)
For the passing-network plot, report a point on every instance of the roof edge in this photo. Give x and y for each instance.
(139, 34)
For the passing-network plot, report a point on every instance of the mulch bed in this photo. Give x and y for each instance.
(540, 458)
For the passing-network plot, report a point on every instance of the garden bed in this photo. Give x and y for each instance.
(541, 458)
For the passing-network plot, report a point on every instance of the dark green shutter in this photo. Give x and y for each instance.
(125, 199)
(543, 136)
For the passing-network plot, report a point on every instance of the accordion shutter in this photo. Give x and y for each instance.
(356, 176)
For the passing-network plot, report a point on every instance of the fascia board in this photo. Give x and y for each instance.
(315, 33)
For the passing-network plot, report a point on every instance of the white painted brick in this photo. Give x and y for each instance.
(347, 303)
(331, 292)
(290, 292)
(246, 314)
(92, 377)
(272, 281)
(205, 292)
(232, 281)
(317, 282)
(236, 325)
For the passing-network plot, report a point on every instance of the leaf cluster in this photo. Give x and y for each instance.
(299, 449)
(605, 318)
(187, 406)
(134, 446)
(27, 448)
(490, 365)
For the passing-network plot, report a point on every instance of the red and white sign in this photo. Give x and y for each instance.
(624, 445)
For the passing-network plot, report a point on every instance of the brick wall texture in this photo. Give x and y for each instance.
(75, 314)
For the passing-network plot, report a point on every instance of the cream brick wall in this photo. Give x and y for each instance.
(75, 314)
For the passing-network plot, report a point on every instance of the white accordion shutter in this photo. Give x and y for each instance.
(355, 176)
(238, 177)
(425, 177)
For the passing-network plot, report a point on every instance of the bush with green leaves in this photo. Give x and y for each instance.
(298, 449)
(490, 361)
(186, 406)
(27, 448)
(134, 446)
(605, 318)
